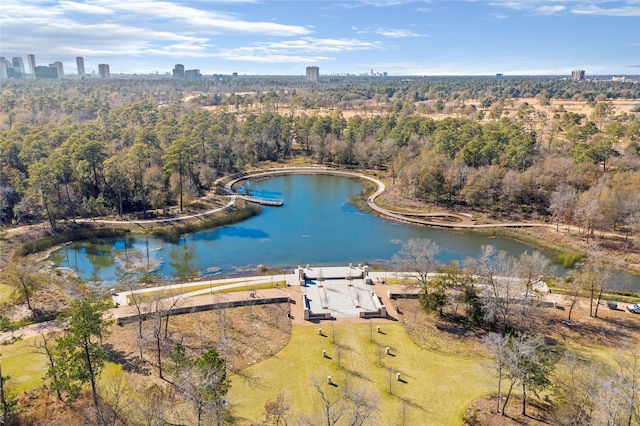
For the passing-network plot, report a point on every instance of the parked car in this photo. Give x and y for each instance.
(634, 308)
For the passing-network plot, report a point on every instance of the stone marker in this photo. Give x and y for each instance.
(387, 350)
(328, 380)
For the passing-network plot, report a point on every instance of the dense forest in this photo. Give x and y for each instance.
(543, 149)
(125, 146)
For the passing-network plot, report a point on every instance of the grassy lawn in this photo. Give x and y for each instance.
(21, 362)
(5, 293)
(436, 388)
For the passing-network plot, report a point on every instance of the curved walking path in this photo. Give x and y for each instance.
(461, 220)
(170, 219)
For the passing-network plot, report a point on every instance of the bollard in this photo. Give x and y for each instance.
(398, 376)
(378, 329)
(324, 353)
(328, 380)
(319, 332)
(387, 350)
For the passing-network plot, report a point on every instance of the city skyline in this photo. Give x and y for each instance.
(399, 37)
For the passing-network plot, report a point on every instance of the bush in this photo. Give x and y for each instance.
(567, 259)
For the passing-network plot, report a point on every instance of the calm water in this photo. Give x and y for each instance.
(315, 226)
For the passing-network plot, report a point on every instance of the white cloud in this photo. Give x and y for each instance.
(302, 50)
(549, 10)
(73, 6)
(397, 33)
(616, 11)
(578, 7)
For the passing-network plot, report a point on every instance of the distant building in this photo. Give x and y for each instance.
(235, 75)
(577, 75)
(31, 60)
(178, 71)
(313, 73)
(499, 75)
(4, 67)
(18, 67)
(103, 70)
(58, 65)
(46, 72)
(80, 66)
(192, 75)
(616, 78)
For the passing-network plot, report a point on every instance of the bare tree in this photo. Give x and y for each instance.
(417, 257)
(575, 386)
(495, 274)
(593, 275)
(277, 409)
(364, 405)
(330, 404)
(562, 203)
(498, 347)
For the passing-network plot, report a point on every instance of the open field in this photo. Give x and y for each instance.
(435, 387)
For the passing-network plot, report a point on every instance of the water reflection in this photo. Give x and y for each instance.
(316, 225)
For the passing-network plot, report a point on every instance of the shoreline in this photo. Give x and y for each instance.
(548, 241)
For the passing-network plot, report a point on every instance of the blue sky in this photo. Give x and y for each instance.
(400, 37)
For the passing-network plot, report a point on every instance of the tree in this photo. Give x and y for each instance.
(529, 362)
(7, 401)
(498, 347)
(178, 157)
(562, 202)
(277, 409)
(593, 276)
(204, 381)
(494, 272)
(78, 354)
(23, 276)
(417, 257)
(332, 407)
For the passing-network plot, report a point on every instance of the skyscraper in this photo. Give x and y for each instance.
(58, 65)
(577, 75)
(313, 73)
(103, 70)
(178, 71)
(18, 66)
(4, 67)
(192, 75)
(46, 72)
(80, 65)
(31, 60)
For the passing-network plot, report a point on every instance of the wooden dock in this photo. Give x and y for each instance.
(261, 201)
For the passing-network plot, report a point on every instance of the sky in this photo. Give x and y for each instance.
(261, 37)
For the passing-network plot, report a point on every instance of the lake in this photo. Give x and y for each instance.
(316, 226)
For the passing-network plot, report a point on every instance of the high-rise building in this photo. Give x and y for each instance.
(58, 65)
(178, 71)
(192, 75)
(313, 73)
(4, 67)
(18, 67)
(31, 60)
(46, 72)
(103, 70)
(577, 75)
(80, 66)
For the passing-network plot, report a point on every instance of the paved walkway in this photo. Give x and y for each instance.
(455, 220)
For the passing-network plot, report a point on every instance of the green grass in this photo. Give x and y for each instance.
(25, 367)
(5, 293)
(153, 295)
(438, 388)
